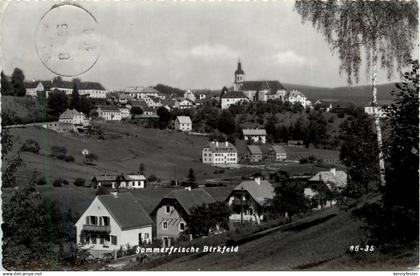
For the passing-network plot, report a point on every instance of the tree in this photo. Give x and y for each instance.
(17, 80)
(141, 169)
(30, 145)
(207, 217)
(164, 117)
(358, 152)
(32, 229)
(136, 110)
(6, 88)
(226, 122)
(289, 197)
(191, 179)
(57, 103)
(271, 128)
(384, 30)
(75, 102)
(102, 190)
(86, 105)
(91, 157)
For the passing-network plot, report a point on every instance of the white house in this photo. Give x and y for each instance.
(33, 88)
(112, 222)
(231, 98)
(258, 135)
(109, 113)
(134, 181)
(189, 95)
(183, 123)
(74, 117)
(295, 96)
(279, 153)
(219, 153)
(334, 179)
(125, 112)
(184, 104)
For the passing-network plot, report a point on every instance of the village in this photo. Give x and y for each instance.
(116, 220)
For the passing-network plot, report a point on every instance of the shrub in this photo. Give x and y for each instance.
(30, 145)
(58, 152)
(68, 158)
(65, 182)
(58, 182)
(41, 181)
(79, 182)
(153, 178)
(102, 191)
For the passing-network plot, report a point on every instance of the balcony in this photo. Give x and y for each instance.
(96, 228)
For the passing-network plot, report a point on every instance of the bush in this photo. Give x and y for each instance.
(59, 182)
(30, 145)
(41, 181)
(58, 152)
(102, 191)
(153, 178)
(65, 182)
(79, 182)
(68, 158)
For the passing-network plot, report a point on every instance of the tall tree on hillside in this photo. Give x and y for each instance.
(75, 98)
(191, 178)
(141, 169)
(17, 80)
(164, 117)
(226, 122)
(385, 30)
(86, 105)
(358, 152)
(57, 103)
(6, 88)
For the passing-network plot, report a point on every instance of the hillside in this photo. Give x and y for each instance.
(16, 110)
(320, 244)
(359, 95)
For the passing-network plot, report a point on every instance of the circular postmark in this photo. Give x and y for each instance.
(68, 40)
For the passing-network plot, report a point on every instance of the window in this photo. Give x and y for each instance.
(93, 239)
(140, 239)
(167, 209)
(101, 239)
(181, 226)
(165, 225)
(146, 236)
(113, 240)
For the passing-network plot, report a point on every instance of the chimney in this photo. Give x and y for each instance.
(333, 171)
(226, 143)
(217, 143)
(258, 180)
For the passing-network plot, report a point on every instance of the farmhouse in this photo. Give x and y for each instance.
(133, 181)
(232, 97)
(334, 179)
(183, 123)
(189, 95)
(60, 127)
(172, 213)
(184, 104)
(278, 152)
(220, 153)
(137, 92)
(254, 153)
(250, 199)
(295, 96)
(112, 222)
(257, 135)
(72, 116)
(33, 88)
(111, 181)
(109, 113)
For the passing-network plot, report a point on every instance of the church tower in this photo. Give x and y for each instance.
(239, 77)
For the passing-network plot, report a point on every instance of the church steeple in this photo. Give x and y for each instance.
(239, 77)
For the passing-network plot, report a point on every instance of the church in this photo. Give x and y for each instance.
(262, 90)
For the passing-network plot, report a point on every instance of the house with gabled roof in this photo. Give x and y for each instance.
(257, 135)
(183, 123)
(250, 200)
(254, 153)
(72, 116)
(34, 87)
(109, 113)
(112, 222)
(278, 153)
(232, 97)
(333, 178)
(172, 214)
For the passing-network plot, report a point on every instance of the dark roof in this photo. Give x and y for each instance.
(222, 147)
(190, 199)
(106, 177)
(254, 149)
(109, 108)
(261, 193)
(234, 94)
(270, 85)
(126, 210)
(239, 69)
(80, 85)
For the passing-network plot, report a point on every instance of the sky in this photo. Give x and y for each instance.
(190, 45)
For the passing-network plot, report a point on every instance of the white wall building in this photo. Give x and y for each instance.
(231, 98)
(220, 153)
(111, 222)
(109, 113)
(295, 96)
(72, 116)
(189, 95)
(258, 135)
(183, 123)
